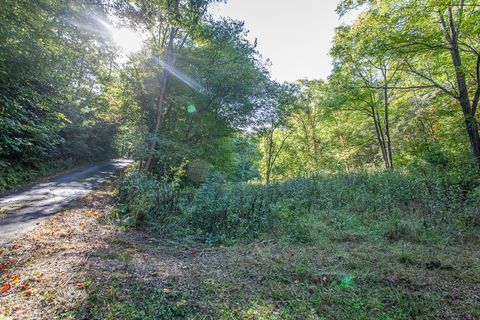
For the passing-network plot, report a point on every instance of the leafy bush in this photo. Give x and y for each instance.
(220, 211)
(147, 198)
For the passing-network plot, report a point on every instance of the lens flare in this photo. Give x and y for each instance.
(181, 76)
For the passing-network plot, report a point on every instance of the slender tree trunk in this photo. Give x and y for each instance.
(387, 121)
(344, 145)
(464, 100)
(473, 136)
(315, 142)
(168, 58)
(269, 157)
(310, 140)
(380, 136)
(273, 152)
(451, 33)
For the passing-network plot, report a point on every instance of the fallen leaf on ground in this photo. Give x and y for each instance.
(91, 213)
(27, 292)
(6, 287)
(80, 286)
(15, 279)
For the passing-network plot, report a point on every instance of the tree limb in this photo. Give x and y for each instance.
(477, 91)
(433, 82)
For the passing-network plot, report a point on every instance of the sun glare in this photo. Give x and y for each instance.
(128, 40)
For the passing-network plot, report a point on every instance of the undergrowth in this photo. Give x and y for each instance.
(390, 205)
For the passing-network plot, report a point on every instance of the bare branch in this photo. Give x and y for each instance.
(469, 47)
(460, 15)
(443, 24)
(452, 27)
(433, 82)
(477, 91)
(272, 163)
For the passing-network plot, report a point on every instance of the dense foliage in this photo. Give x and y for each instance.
(53, 69)
(322, 144)
(404, 92)
(421, 205)
(351, 197)
(224, 152)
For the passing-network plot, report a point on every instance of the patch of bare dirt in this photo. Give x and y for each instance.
(40, 271)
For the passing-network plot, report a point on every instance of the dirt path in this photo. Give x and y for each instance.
(23, 210)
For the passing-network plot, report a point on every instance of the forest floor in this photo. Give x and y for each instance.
(80, 264)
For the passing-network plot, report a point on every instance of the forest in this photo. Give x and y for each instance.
(356, 196)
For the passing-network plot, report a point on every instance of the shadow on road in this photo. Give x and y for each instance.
(22, 210)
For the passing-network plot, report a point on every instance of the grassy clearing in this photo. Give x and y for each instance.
(80, 267)
(334, 279)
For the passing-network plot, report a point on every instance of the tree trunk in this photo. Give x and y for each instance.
(161, 97)
(473, 136)
(451, 33)
(464, 100)
(269, 157)
(387, 122)
(344, 145)
(380, 136)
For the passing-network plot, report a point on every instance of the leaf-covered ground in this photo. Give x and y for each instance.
(79, 266)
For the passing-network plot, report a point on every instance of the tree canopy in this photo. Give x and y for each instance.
(403, 92)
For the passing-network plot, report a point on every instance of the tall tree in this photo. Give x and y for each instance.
(438, 42)
(175, 22)
(278, 104)
(54, 58)
(369, 77)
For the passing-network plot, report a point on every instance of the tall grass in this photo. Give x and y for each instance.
(220, 211)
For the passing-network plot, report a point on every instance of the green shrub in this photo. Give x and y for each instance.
(148, 200)
(221, 211)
